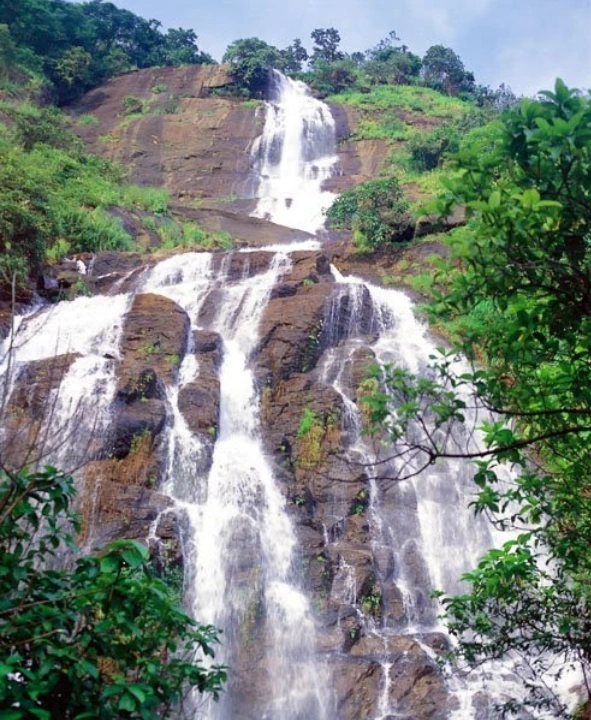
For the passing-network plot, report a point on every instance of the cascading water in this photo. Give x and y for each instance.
(77, 411)
(294, 156)
(424, 533)
(240, 547)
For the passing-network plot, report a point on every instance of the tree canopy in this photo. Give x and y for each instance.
(77, 46)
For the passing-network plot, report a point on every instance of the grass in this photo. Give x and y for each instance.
(56, 199)
(154, 200)
(87, 120)
(386, 127)
(190, 235)
(405, 97)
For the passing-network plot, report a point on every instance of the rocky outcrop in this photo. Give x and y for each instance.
(184, 139)
(199, 399)
(197, 145)
(29, 433)
(118, 497)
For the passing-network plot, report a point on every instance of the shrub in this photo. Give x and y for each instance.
(87, 120)
(101, 639)
(132, 105)
(428, 150)
(376, 212)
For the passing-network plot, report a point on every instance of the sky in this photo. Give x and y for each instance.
(525, 44)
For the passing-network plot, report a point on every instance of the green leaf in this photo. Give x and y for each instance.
(127, 702)
(494, 199)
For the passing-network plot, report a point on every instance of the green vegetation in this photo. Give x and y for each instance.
(310, 435)
(372, 602)
(519, 297)
(331, 71)
(71, 47)
(54, 197)
(57, 199)
(189, 235)
(375, 212)
(411, 99)
(103, 638)
(133, 105)
(87, 120)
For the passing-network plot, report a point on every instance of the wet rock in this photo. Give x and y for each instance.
(291, 332)
(154, 337)
(134, 421)
(199, 400)
(154, 340)
(208, 344)
(32, 402)
(114, 510)
(357, 686)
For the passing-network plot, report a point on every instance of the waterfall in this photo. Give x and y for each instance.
(289, 657)
(240, 548)
(424, 534)
(75, 414)
(294, 156)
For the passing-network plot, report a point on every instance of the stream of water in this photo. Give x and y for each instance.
(294, 156)
(240, 546)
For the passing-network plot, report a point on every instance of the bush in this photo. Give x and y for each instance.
(87, 120)
(376, 212)
(132, 105)
(33, 125)
(427, 150)
(102, 639)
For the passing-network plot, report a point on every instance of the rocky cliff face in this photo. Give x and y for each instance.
(197, 145)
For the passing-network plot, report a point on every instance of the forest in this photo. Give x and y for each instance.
(510, 293)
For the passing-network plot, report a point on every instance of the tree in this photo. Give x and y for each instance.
(252, 60)
(329, 78)
(326, 43)
(101, 638)
(292, 57)
(391, 63)
(443, 70)
(180, 48)
(519, 290)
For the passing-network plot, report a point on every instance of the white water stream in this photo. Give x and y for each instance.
(294, 156)
(76, 413)
(241, 544)
(424, 533)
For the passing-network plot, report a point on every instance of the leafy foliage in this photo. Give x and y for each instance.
(52, 191)
(79, 45)
(375, 211)
(520, 274)
(99, 639)
(392, 64)
(443, 70)
(326, 43)
(427, 150)
(252, 60)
